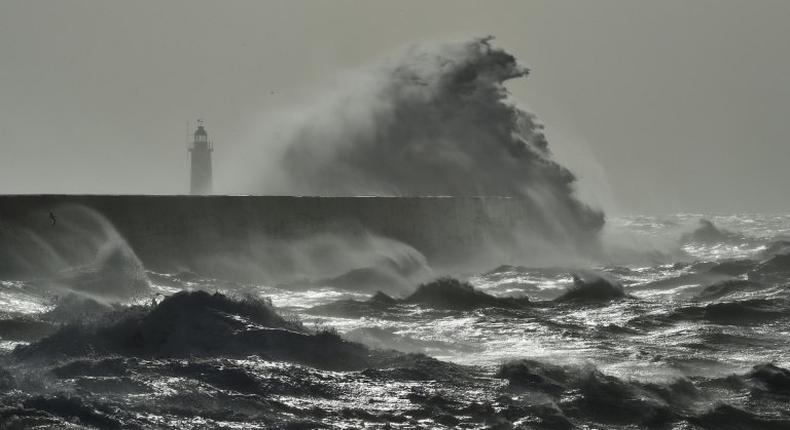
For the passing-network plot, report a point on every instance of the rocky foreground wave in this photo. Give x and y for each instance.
(237, 362)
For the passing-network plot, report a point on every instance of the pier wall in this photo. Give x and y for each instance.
(169, 231)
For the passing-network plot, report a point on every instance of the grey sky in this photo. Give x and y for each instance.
(684, 104)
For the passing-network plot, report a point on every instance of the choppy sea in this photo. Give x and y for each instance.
(694, 334)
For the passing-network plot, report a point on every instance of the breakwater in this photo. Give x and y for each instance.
(172, 231)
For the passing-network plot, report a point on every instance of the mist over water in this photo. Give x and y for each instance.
(351, 255)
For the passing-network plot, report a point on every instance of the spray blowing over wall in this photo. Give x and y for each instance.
(433, 120)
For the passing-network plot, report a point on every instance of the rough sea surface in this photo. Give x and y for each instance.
(689, 330)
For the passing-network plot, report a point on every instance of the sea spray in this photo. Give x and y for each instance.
(78, 251)
(434, 120)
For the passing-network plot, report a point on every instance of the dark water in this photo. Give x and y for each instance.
(692, 336)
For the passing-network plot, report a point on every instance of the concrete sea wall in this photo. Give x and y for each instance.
(178, 231)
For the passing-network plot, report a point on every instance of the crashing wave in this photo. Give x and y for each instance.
(82, 253)
(442, 293)
(753, 311)
(434, 121)
(777, 247)
(595, 288)
(733, 267)
(707, 233)
(774, 270)
(771, 379)
(450, 293)
(200, 324)
(387, 274)
(601, 397)
(729, 287)
(730, 417)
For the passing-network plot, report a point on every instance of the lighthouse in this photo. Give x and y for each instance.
(200, 157)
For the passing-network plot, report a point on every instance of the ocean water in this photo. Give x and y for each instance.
(686, 325)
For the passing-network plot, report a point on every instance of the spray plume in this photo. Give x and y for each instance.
(434, 120)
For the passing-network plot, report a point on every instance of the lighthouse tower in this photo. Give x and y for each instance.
(200, 153)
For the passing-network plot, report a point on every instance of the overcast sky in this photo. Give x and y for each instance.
(660, 106)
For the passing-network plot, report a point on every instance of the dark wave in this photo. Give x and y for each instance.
(771, 379)
(733, 267)
(602, 398)
(746, 312)
(723, 289)
(200, 324)
(449, 293)
(726, 417)
(24, 328)
(777, 247)
(774, 270)
(595, 288)
(395, 275)
(73, 408)
(708, 234)
(442, 294)
(606, 399)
